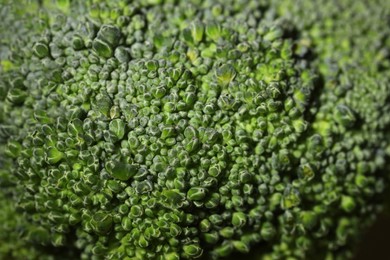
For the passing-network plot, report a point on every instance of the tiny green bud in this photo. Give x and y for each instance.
(175, 230)
(109, 34)
(190, 132)
(102, 48)
(273, 34)
(54, 156)
(172, 256)
(196, 194)
(344, 115)
(238, 219)
(225, 74)
(121, 171)
(290, 198)
(122, 54)
(241, 246)
(267, 231)
(13, 149)
(167, 131)
(305, 172)
(117, 127)
(102, 222)
(348, 203)
(159, 92)
(224, 250)
(309, 219)
(211, 238)
(213, 31)
(41, 50)
(205, 225)
(192, 251)
(227, 232)
(197, 30)
(192, 145)
(77, 43)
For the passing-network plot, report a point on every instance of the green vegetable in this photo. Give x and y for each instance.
(165, 129)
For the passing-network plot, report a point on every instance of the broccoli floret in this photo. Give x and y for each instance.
(152, 129)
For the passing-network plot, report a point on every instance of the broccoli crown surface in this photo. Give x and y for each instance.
(184, 129)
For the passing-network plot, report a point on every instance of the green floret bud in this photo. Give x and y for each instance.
(159, 92)
(273, 34)
(194, 33)
(121, 171)
(291, 198)
(196, 194)
(101, 222)
(75, 127)
(41, 50)
(197, 30)
(142, 242)
(190, 132)
(167, 132)
(16, 95)
(241, 246)
(13, 149)
(239, 219)
(267, 231)
(173, 196)
(224, 250)
(344, 116)
(306, 172)
(225, 74)
(109, 34)
(211, 238)
(77, 43)
(227, 232)
(193, 251)
(205, 225)
(192, 145)
(213, 31)
(117, 127)
(54, 156)
(122, 54)
(348, 203)
(172, 256)
(102, 48)
(309, 219)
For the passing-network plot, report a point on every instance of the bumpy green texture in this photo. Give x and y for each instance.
(157, 129)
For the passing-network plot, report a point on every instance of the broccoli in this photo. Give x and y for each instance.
(168, 129)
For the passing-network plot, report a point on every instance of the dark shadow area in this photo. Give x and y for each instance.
(374, 244)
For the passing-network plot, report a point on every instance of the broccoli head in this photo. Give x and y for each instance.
(152, 129)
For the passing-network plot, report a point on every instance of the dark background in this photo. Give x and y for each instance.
(375, 245)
